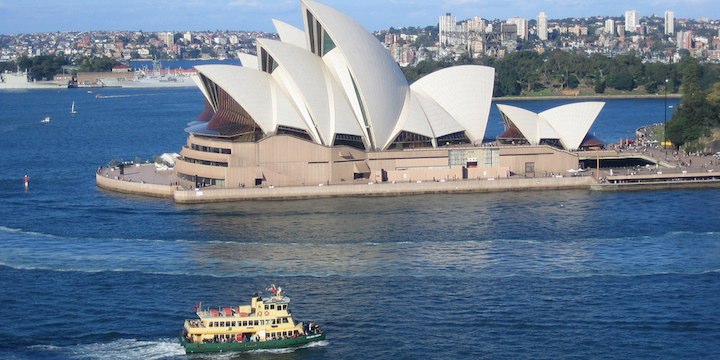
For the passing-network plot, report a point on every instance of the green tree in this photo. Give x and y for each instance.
(599, 86)
(96, 64)
(621, 80)
(43, 67)
(694, 116)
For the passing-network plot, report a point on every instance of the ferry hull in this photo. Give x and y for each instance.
(249, 345)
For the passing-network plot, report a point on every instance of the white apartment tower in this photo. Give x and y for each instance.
(447, 25)
(610, 27)
(669, 22)
(168, 38)
(542, 26)
(632, 20)
(522, 26)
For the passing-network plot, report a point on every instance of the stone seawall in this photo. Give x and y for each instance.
(205, 195)
(128, 187)
(383, 189)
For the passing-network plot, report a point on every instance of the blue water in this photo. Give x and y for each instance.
(88, 274)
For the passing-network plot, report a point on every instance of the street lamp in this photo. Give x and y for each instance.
(665, 118)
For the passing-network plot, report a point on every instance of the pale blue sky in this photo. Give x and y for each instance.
(29, 16)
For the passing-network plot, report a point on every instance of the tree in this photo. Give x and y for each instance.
(599, 86)
(621, 80)
(506, 80)
(96, 64)
(43, 67)
(694, 115)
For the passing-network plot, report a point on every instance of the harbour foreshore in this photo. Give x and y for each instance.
(169, 189)
(675, 171)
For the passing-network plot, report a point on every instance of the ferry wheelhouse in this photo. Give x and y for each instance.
(266, 323)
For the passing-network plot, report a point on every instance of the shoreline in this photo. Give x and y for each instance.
(587, 97)
(181, 195)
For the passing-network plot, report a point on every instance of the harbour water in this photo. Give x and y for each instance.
(88, 274)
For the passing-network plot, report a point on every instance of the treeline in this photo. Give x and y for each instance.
(556, 71)
(45, 67)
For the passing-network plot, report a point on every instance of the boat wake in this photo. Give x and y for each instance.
(117, 349)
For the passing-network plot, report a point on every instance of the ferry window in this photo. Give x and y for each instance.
(256, 323)
(222, 324)
(267, 307)
(272, 307)
(211, 324)
(273, 321)
(285, 320)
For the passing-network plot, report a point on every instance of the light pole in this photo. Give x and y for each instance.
(665, 118)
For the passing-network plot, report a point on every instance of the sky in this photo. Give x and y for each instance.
(31, 16)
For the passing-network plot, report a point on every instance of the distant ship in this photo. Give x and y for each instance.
(20, 80)
(45, 120)
(72, 109)
(157, 77)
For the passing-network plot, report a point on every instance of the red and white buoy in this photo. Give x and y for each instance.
(27, 182)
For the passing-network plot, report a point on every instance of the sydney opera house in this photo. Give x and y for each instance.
(327, 104)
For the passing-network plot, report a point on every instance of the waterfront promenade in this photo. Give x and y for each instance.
(673, 170)
(146, 180)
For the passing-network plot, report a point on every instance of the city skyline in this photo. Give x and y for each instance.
(252, 15)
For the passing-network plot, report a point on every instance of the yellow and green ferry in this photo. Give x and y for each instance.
(266, 323)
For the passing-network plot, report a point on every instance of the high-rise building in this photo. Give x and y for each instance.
(684, 39)
(632, 20)
(167, 37)
(610, 27)
(476, 24)
(669, 22)
(447, 25)
(542, 26)
(522, 26)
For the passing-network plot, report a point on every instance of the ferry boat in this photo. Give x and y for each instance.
(266, 323)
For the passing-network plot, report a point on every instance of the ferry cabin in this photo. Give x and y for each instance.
(262, 320)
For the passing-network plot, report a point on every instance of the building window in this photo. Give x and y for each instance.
(408, 140)
(210, 149)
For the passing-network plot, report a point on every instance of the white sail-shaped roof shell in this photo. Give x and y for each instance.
(325, 109)
(524, 120)
(380, 83)
(573, 121)
(248, 60)
(290, 34)
(198, 82)
(465, 92)
(257, 93)
(413, 119)
(567, 123)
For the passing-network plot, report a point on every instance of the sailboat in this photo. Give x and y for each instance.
(72, 109)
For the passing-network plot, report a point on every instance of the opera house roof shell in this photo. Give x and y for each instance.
(569, 124)
(334, 83)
